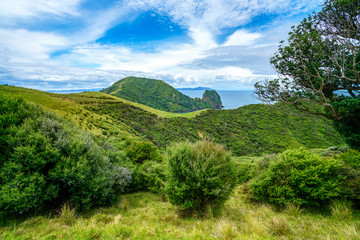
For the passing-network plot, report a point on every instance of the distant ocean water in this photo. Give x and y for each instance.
(230, 98)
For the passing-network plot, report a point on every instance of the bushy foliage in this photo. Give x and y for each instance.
(200, 175)
(147, 166)
(140, 151)
(46, 160)
(351, 158)
(154, 176)
(244, 171)
(301, 177)
(248, 169)
(349, 125)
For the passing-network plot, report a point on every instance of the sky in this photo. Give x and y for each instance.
(90, 44)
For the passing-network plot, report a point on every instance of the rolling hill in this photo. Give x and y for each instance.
(249, 130)
(160, 95)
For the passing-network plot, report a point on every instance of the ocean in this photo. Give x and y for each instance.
(230, 98)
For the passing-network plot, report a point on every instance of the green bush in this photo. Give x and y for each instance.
(351, 158)
(302, 178)
(154, 176)
(47, 161)
(244, 171)
(140, 151)
(200, 175)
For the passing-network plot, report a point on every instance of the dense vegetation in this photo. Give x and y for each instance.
(252, 129)
(303, 178)
(45, 160)
(160, 95)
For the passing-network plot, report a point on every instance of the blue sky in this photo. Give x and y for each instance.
(87, 44)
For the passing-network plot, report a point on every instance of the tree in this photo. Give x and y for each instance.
(321, 65)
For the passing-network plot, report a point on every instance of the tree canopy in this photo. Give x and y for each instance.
(320, 64)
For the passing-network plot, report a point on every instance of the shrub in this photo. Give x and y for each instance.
(200, 175)
(300, 177)
(122, 178)
(244, 171)
(140, 151)
(351, 158)
(154, 176)
(48, 161)
(150, 176)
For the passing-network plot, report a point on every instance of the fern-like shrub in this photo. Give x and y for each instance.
(200, 175)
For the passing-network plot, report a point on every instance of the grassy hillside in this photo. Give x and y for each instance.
(146, 216)
(159, 95)
(252, 129)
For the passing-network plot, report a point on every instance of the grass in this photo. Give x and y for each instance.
(75, 107)
(67, 215)
(341, 209)
(146, 216)
(68, 102)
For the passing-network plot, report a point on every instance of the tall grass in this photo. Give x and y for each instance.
(146, 216)
(67, 214)
(341, 209)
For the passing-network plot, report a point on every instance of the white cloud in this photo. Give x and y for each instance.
(218, 14)
(33, 8)
(24, 45)
(241, 38)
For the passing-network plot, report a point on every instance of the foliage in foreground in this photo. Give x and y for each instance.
(300, 177)
(201, 175)
(147, 216)
(45, 160)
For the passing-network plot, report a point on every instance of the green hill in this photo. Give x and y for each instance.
(160, 95)
(249, 130)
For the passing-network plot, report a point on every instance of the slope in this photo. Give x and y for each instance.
(249, 130)
(160, 95)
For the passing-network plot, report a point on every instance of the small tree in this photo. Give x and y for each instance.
(201, 175)
(321, 65)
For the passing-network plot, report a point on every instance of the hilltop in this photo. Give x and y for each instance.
(160, 95)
